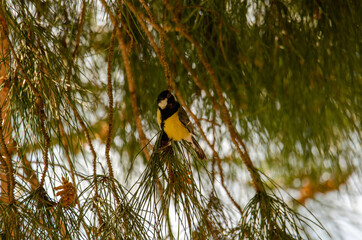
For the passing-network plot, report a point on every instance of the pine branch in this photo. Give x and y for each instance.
(258, 185)
(41, 113)
(131, 83)
(110, 103)
(184, 60)
(110, 109)
(162, 54)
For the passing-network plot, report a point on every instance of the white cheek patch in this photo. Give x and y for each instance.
(163, 103)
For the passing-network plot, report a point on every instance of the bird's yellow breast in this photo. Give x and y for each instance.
(174, 129)
(159, 117)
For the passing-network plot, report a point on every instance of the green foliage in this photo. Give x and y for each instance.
(168, 185)
(35, 216)
(267, 217)
(121, 217)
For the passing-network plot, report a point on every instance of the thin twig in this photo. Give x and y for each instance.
(110, 103)
(212, 122)
(162, 56)
(110, 111)
(164, 63)
(131, 83)
(213, 170)
(46, 137)
(80, 29)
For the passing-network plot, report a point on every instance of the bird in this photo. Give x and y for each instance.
(173, 120)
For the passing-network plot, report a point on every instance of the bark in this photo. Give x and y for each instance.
(6, 129)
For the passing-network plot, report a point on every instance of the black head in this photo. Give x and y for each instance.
(163, 95)
(166, 99)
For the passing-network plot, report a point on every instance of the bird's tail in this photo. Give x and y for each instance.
(200, 153)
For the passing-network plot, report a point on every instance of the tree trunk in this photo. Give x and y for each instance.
(4, 69)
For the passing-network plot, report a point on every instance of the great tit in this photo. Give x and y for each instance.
(173, 120)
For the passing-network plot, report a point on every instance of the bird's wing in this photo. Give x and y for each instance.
(185, 119)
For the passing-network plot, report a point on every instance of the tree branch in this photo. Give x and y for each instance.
(110, 111)
(162, 55)
(110, 103)
(184, 60)
(131, 84)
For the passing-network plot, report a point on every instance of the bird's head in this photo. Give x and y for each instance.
(165, 99)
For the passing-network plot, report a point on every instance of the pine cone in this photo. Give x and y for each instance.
(67, 193)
